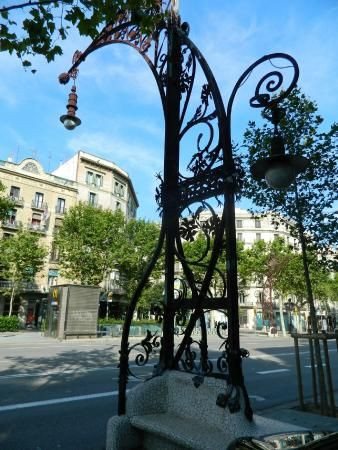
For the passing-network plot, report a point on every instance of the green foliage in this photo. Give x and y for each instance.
(5, 203)
(45, 23)
(317, 186)
(197, 247)
(88, 242)
(152, 297)
(137, 247)
(266, 261)
(21, 257)
(9, 323)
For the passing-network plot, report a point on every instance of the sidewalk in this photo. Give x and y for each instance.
(288, 414)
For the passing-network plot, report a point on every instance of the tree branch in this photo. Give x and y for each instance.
(29, 3)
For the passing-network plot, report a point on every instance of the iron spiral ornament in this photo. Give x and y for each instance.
(200, 174)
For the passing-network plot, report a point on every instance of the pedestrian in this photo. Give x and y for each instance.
(324, 325)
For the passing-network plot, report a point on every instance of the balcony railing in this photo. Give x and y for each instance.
(24, 286)
(114, 287)
(43, 206)
(38, 228)
(60, 210)
(12, 224)
(18, 201)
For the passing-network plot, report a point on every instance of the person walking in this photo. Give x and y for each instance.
(324, 325)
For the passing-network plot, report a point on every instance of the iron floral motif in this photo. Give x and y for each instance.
(150, 344)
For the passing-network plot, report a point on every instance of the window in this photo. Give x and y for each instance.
(98, 180)
(131, 208)
(258, 223)
(38, 200)
(12, 216)
(119, 189)
(15, 192)
(92, 198)
(89, 177)
(31, 167)
(118, 206)
(241, 297)
(54, 254)
(258, 237)
(240, 237)
(57, 225)
(36, 220)
(239, 223)
(60, 205)
(53, 275)
(94, 179)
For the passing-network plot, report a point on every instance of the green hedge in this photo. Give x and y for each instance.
(9, 323)
(134, 322)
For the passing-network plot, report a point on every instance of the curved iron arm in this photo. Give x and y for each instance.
(124, 33)
(124, 352)
(264, 100)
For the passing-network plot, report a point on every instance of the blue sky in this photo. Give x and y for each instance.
(118, 101)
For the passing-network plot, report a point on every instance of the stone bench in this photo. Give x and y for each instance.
(169, 413)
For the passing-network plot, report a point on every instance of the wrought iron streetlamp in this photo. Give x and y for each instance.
(185, 191)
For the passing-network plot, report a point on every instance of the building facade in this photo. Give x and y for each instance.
(249, 229)
(40, 201)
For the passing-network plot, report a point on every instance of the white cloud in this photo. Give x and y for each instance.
(123, 151)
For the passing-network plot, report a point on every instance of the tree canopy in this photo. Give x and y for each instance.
(21, 258)
(88, 241)
(38, 27)
(137, 247)
(300, 127)
(5, 203)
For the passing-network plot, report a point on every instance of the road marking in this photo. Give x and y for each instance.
(324, 365)
(55, 372)
(265, 372)
(61, 372)
(257, 397)
(56, 401)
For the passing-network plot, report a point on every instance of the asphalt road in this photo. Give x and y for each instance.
(60, 395)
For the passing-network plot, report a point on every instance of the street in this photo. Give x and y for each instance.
(59, 395)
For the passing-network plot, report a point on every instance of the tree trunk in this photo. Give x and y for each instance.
(314, 326)
(11, 300)
(281, 314)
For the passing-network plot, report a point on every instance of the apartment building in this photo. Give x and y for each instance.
(249, 229)
(40, 201)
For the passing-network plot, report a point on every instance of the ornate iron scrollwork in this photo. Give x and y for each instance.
(149, 345)
(192, 175)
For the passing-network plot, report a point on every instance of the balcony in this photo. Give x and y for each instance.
(12, 224)
(41, 206)
(18, 201)
(60, 210)
(37, 228)
(25, 286)
(114, 287)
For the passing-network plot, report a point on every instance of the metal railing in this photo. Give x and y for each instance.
(327, 404)
(36, 227)
(60, 209)
(25, 286)
(13, 224)
(40, 205)
(19, 201)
